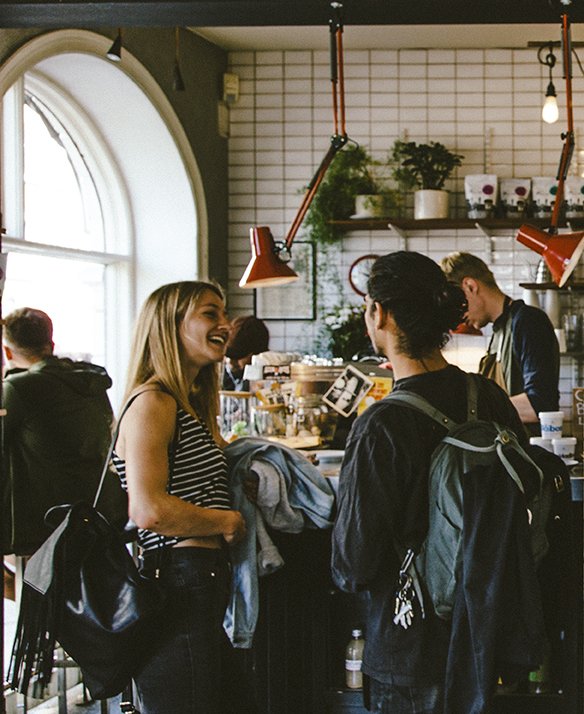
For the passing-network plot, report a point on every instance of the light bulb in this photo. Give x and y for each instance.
(550, 113)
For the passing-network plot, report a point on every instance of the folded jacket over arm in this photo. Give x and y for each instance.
(292, 494)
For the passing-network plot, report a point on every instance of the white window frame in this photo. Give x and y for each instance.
(118, 261)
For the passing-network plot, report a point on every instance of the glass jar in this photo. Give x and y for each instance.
(234, 414)
(268, 419)
(313, 418)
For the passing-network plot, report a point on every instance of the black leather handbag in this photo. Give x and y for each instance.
(83, 590)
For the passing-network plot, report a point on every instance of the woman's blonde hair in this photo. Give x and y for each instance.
(156, 351)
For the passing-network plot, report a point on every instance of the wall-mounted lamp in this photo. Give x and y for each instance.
(550, 112)
(268, 264)
(177, 81)
(561, 253)
(115, 51)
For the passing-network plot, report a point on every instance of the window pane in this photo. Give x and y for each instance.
(71, 292)
(61, 206)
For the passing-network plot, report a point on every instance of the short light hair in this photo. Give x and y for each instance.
(29, 332)
(458, 266)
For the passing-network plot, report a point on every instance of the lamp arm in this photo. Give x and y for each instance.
(339, 137)
(337, 143)
(568, 136)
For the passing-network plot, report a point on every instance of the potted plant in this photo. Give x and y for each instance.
(352, 173)
(424, 168)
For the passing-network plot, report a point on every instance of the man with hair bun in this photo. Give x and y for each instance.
(383, 487)
(523, 355)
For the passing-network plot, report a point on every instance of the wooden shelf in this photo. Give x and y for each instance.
(410, 224)
(575, 286)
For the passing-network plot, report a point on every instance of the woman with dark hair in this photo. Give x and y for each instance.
(169, 458)
(383, 489)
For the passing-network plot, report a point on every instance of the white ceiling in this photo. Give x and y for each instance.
(385, 36)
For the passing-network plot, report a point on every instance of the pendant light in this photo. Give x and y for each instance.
(561, 253)
(550, 113)
(177, 81)
(115, 51)
(268, 265)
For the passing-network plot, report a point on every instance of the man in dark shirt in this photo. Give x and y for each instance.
(524, 351)
(56, 429)
(383, 488)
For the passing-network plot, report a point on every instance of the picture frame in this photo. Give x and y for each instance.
(294, 301)
(347, 391)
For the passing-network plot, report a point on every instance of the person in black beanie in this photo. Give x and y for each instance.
(249, 336)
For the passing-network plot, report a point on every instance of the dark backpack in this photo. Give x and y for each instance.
(475, 444)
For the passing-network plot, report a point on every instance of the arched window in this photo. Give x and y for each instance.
(101, 195)
(55, 220)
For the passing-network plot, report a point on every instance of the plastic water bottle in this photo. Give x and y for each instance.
(353, 660)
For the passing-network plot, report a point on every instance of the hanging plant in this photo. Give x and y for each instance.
(351, 173)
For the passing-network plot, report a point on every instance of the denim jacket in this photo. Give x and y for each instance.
(307, 493)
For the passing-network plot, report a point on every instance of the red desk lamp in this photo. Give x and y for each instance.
(269, 262)
(562, 252)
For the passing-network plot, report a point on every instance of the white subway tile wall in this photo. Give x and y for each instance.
(485, 104)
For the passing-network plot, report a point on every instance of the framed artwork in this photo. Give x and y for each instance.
(295, 301)
(347, 391)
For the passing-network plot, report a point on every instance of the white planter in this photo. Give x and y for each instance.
(429, 203)
(374, 206)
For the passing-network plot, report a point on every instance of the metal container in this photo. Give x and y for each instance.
(313, 378)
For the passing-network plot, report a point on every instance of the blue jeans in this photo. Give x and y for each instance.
(391, 699)
(182, 672)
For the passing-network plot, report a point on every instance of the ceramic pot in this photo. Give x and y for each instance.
(429, 203)
(373, 206)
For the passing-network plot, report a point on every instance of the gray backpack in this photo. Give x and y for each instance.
(476, 443)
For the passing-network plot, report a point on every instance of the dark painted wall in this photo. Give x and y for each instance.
(202, 66)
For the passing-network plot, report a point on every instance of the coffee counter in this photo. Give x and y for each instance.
(296, 665)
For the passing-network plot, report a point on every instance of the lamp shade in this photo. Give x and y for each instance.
(265, 268)
(560, 252)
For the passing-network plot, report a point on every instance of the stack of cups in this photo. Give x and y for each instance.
(551, 435)
(551, 428)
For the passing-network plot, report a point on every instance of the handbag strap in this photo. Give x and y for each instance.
(112, 445)
(110, 450)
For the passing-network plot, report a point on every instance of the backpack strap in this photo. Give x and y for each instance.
(415, 401)
(472, 396)
(111, 448)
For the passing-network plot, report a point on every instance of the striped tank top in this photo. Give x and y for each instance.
(199, 474)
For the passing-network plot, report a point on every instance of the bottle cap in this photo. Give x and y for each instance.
(357, 633)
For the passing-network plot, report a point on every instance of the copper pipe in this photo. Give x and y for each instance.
(568, 136)
(341, 80)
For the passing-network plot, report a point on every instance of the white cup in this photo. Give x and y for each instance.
(551, 424)
(565, 446)
(541, 441)
(561, 336)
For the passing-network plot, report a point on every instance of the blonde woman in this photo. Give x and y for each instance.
(169, 459)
